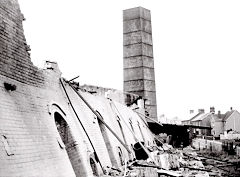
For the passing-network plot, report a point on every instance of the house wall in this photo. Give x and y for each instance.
(30, 143)
(206, 122)
(186, 122)
(233, 122)
(217, 129)
(196, 123)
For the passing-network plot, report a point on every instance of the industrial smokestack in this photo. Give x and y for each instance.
(139, 77)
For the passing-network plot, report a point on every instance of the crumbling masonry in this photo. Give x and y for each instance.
(46, 129)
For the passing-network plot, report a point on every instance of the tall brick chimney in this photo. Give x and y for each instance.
(139, 77)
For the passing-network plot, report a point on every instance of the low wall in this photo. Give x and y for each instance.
(211, 145)
(230, 136)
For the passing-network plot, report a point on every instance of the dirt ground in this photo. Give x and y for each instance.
(220, 164)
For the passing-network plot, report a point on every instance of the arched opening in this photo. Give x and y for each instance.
(121, 158)
(121, 129)
(131, 124)
(107, 142)
(141, 132)
(94, 167)
(70, 144)
(123, 135)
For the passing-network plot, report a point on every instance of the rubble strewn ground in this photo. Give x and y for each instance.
(220, 164)
(165, 161)
(186, 162)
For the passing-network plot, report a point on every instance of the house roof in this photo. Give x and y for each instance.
(216, 118)
(201, 117)
(223, 117)
(191, 118)
(228, 114)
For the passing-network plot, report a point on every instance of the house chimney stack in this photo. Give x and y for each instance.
(212, 110)
(139, 77)
(201, 111)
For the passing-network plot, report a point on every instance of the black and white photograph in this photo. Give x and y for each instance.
(127, 88)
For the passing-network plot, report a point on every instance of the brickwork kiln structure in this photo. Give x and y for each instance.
(41, 135)
(139, 75)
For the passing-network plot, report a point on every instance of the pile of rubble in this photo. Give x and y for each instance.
(220, 164)
(163, 161)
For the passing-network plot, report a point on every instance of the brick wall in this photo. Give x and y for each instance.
(29, 145)
(14, 56)
(138, 62)
(31, 133)
(70, 144)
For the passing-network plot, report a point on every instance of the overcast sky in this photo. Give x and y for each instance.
(196, 47)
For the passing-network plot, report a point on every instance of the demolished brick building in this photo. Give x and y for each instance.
(49, 127)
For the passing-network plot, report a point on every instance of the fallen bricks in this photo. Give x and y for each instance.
(170, 162)
(221, 163)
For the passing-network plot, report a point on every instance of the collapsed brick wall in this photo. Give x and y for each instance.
(30, 143)
(15, 60)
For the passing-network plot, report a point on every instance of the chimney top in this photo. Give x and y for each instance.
(136, 12)
(212, 110)
(201, 111)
